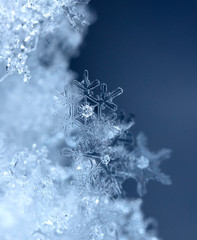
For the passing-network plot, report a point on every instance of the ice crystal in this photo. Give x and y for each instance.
(78, 194)
(32, 186)
(100, 102)
(24, 180)
(103, 145)
(84, 106)
(146, 165)
(22, 23)
(83, 197)
(86, 86)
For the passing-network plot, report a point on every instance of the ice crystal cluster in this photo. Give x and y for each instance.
(65, 150)
(23, 22)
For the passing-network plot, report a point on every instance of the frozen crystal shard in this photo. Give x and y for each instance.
(106, 98)
(86, 86)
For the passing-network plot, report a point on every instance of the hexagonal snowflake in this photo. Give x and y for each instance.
(82, 107)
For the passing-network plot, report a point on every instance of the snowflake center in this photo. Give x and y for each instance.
(105, 159)
(87, 111)
(142, 162)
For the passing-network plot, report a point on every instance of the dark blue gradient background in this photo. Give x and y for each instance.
(149, 48)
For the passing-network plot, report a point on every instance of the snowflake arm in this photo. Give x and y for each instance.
(106, 98)
(85, 85)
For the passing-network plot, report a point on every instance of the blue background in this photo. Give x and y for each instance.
(149, 48)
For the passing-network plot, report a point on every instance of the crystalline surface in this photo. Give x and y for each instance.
(78, 195)
(83, 197)
(32, 186)
(22, 23)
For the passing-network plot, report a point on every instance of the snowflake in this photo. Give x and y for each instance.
(104, 154)
(106, 166)
(146, 165)
(87, 106)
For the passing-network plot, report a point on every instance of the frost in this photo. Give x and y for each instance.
(22, 23)
(31, 185)
(26, 108)
(83, 197)
(131, 217)
(27, 188)
(78, 194)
